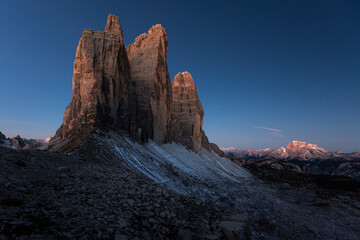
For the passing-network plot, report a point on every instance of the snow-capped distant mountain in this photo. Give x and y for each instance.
(302, 151)
(294, 150)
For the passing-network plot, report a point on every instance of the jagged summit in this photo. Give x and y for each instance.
(185, 79)
(178, 80)
(156, 28)
(129, 90)
(294, 150)
(302, 145)
(249, 153)
(113, 24)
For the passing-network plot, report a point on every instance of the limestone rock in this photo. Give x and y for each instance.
(210, 146)
(103, 93)
(2, 137)
(187, 113)
(149, 71)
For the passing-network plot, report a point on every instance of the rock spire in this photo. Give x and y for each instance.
(149, 71)
(113, 25)
(103, 93)
(129, 90)
(187, 113)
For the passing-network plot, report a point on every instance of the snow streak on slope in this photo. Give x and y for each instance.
(207, 176)
(175, 166)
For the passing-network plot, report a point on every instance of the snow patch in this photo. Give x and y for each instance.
(173, 165)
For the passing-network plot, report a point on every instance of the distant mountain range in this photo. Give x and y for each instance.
(22, 143)
(299, 157)
(295, 150)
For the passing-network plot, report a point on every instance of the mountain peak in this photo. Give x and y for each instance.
(156, 28)
(299, 145)
(113, 24)
(187, 112)
(294, 150)
(184, 79)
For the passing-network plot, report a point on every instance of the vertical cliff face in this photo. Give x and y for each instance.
(187, 113)
(103, 92)
(129, 89)
(149, 71)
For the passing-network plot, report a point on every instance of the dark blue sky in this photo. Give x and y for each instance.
(267, 72)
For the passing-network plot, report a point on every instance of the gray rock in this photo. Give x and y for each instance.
(103, 93)
(2, 137)
(149, 71)
(187, 113)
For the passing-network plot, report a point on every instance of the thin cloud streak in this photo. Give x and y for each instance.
(272, 131)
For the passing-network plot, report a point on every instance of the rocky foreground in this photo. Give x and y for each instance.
(96, 193)
(56, 196)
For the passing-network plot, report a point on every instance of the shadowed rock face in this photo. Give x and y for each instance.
(187, 113)
(149, 71)
(2, 137)
(103, 94)
(210, 146)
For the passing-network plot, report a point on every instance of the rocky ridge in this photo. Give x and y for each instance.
(129, 90)
(299, 157)
(295, 150)
(18, 142)
(247, 154)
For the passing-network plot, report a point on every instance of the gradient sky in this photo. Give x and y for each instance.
(267, 72)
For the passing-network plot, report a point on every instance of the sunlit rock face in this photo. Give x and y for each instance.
(103, 93)
(187, 113)
(301, 150)
(149, 71)
(129, 89)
